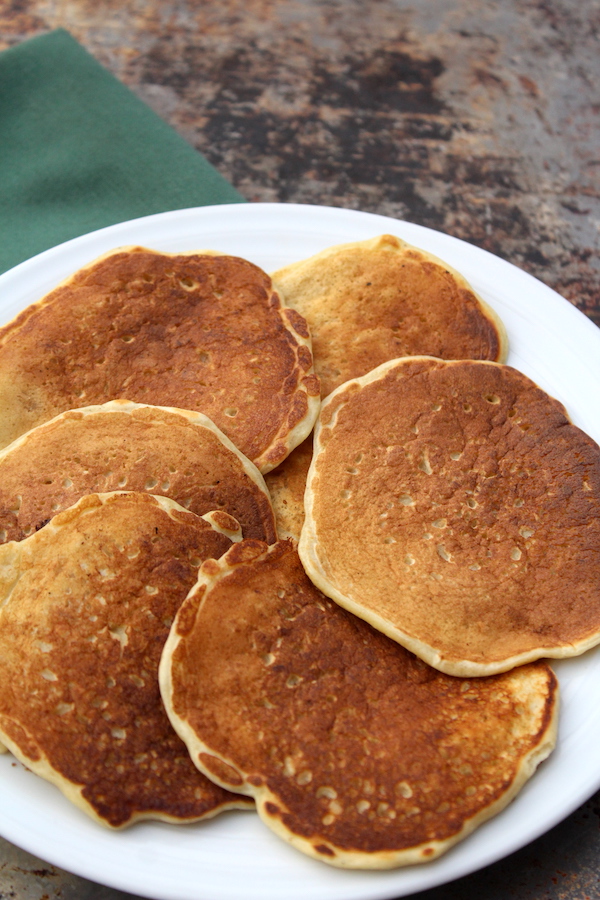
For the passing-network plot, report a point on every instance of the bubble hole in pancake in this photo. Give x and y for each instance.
(123, 445)
(454, 506)
(200, 331)
(85, 607)
(356, 752)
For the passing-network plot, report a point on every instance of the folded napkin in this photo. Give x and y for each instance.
(79, 151)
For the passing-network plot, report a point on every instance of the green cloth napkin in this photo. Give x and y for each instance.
(79, 151)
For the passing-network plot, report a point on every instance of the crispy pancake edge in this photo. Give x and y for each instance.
(315, 562)
(75, 795)
(209, 576)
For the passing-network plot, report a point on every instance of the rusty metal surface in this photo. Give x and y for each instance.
(474, 117)
(477, 118)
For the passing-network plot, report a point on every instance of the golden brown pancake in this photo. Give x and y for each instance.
(118, 445)
(85, 606)
(375, 300)
(286, 486)
(366, 303)
(356, 752)
(455, 507)
(200, 331)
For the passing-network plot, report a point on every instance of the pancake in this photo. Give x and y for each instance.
(356, 752)
(375, 300)
(454, 506)
(368, 302)
(117, 445)
(286, 485)
(85, 607)
(200, 331)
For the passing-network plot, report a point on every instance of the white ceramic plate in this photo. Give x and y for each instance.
(234, 855)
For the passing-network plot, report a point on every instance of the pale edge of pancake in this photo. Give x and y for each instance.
(394, 243)
(197, 419)
(317, 567)
(209, 577)
(290, 439)
(10, 556)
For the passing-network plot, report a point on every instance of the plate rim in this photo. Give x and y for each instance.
(380, 888)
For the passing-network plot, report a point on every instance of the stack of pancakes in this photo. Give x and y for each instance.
(354, 644)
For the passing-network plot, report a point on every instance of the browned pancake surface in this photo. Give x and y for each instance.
(122, 445)
(203, 332)
(375, 300)
(454, 506)
(87, 603)
(286, 485)
(356, 751)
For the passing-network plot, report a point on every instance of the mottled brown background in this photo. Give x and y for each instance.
(475, 118)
